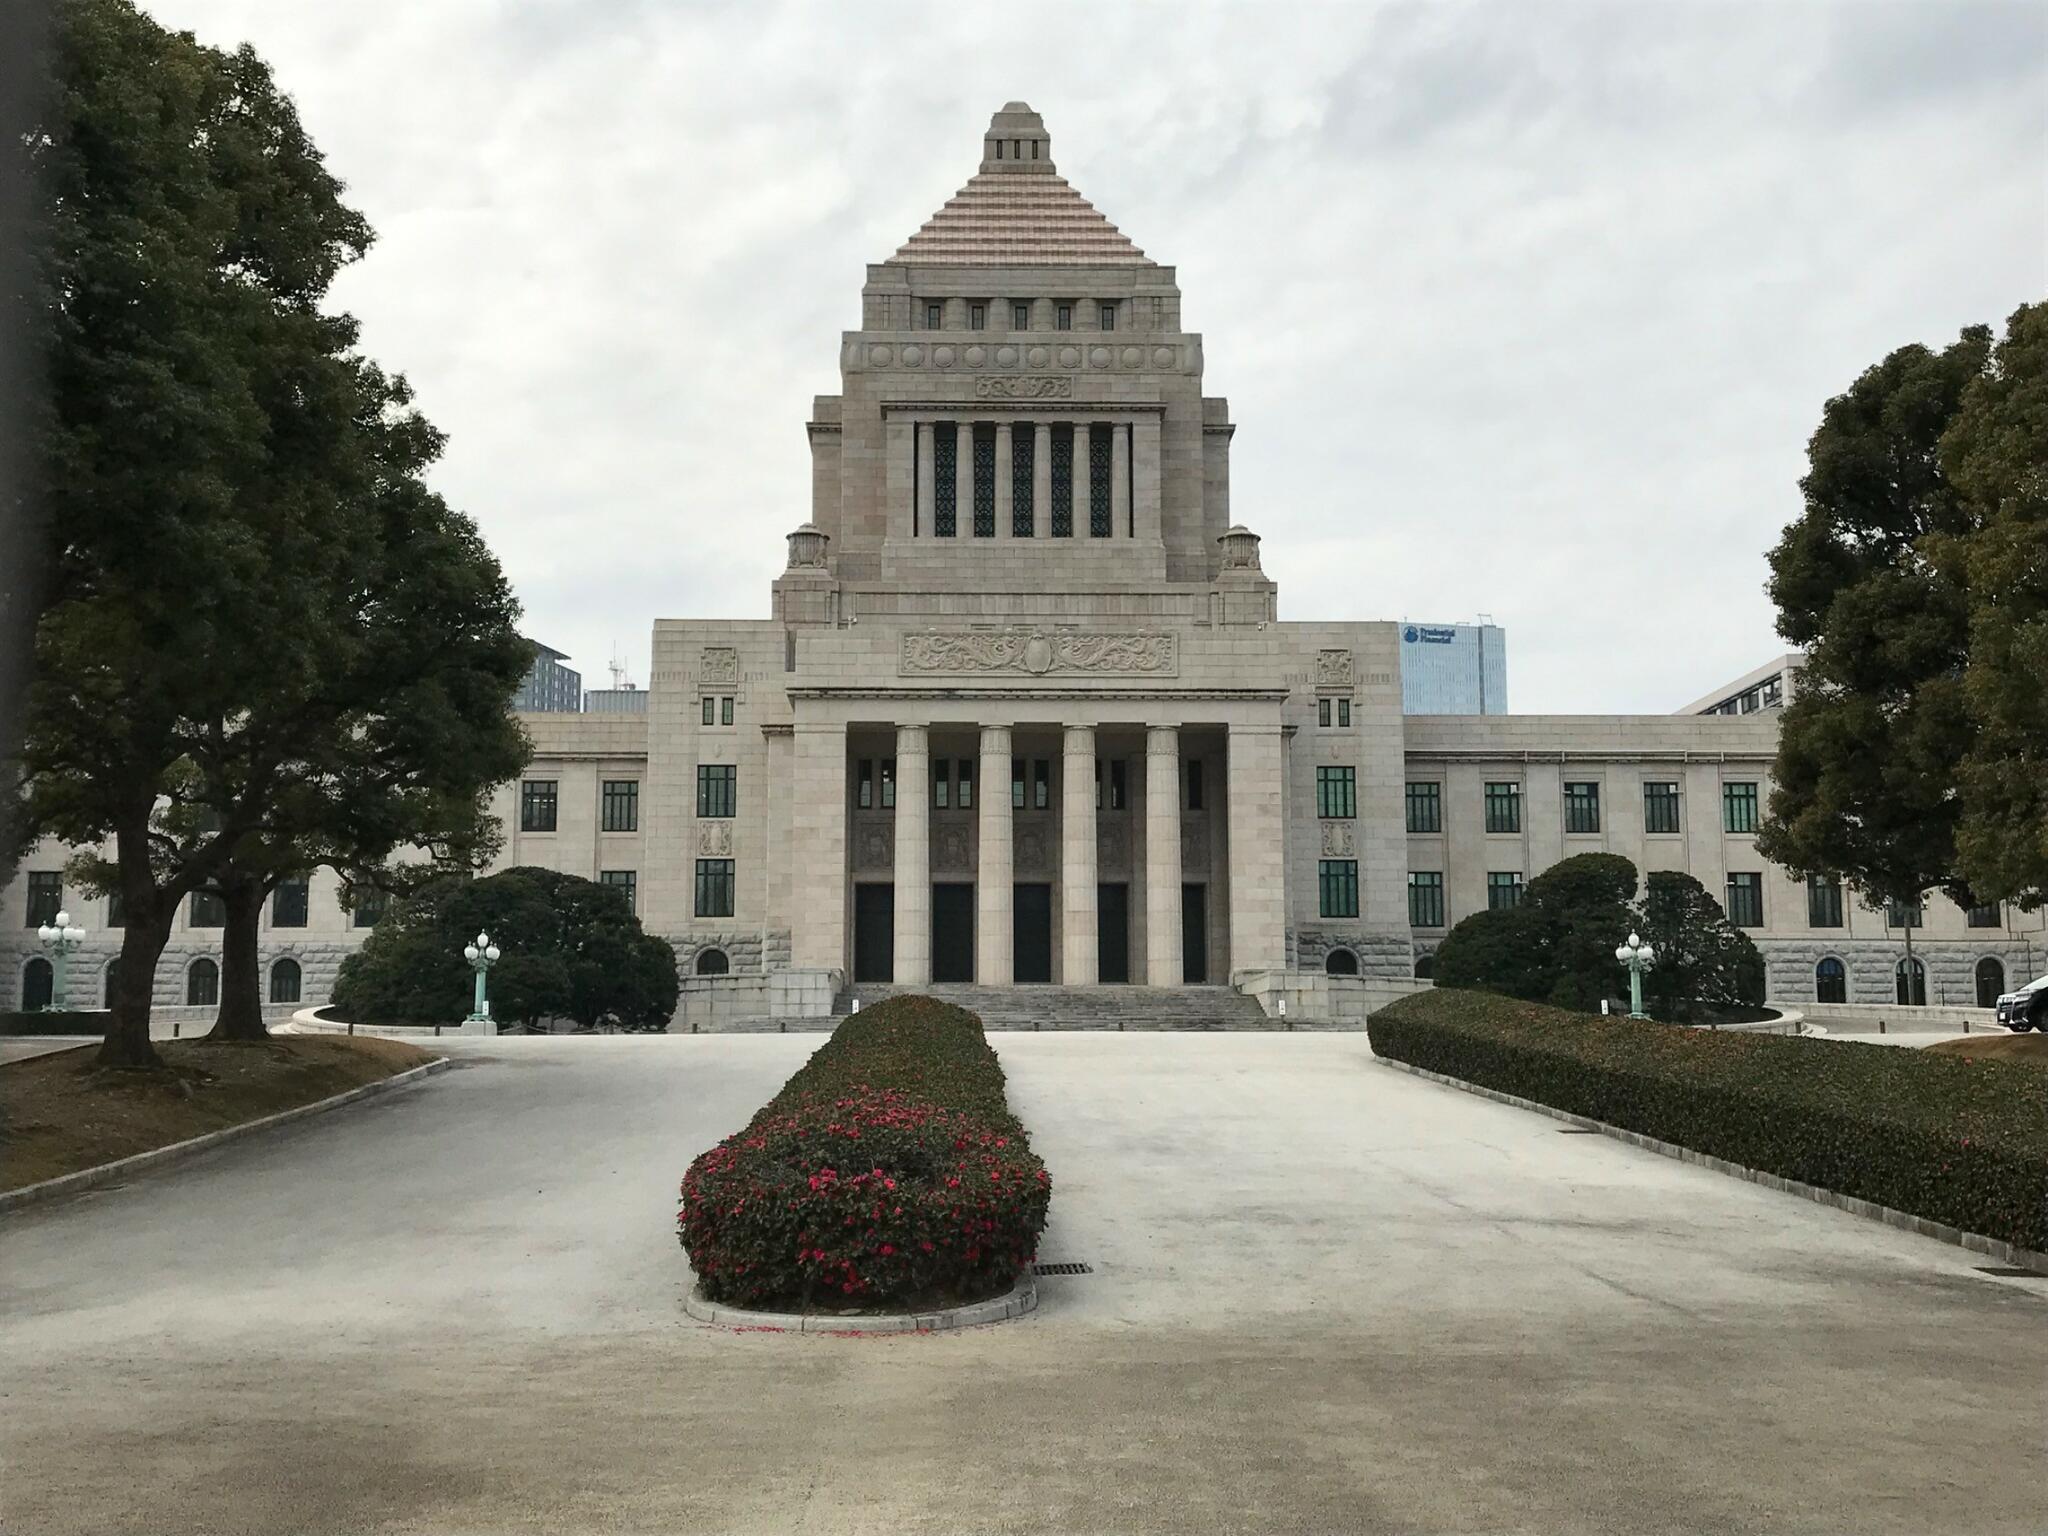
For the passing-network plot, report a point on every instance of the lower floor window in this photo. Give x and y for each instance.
(714, 887)
(1503, 889)
(1339, 881)
(202, 984)
(284, 982)
(1746, 900)
(626, 882)
(1425, 898)
(1831, 981)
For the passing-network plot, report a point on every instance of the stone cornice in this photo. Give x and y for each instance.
(1584, 755)
(1050, 694)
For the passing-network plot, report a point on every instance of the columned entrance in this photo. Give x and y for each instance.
(1031, 932)
(874, 932)
(953, 932)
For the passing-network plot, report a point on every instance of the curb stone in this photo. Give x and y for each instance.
(1870, 1210)
(178, 1151)
(1015, 1302)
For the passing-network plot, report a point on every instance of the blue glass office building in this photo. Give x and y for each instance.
(1453, 669)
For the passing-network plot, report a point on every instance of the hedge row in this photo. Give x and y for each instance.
(55, 1022)
(1954, 1140)
(888, 1171)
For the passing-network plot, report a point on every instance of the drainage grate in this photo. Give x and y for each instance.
(1578, 1130)
(2009, 1272)
(1062, 1269)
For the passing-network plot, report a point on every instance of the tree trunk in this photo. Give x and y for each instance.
(142, 945)
(241, 978)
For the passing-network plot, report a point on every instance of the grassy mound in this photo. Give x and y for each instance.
(1949, 1137)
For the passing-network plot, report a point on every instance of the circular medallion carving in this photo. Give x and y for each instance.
(1163, 356)
(942, 357)
(881, 357)
(912, 356)
(976, 356)
(1133, 357)
(1038, 357)
(1070, 357)
(1007, 356)
(1098, 357)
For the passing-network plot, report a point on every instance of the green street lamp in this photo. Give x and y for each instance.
(481, 955)
(60, 938)
(1638, 957)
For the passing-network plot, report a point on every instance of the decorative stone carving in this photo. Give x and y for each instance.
(719, 664)
(873, 847)
(1030, 851)
(950, 847)
(807, 547)
(1333, 669)
(1338, 840)
(1029, 386)
(1240, 548)
(1194, 844)
(714, 839)
(1109, 844)
(1036, 653)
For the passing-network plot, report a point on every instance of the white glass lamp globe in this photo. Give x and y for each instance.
(1621, 954)
(490, 952)
(469, 953)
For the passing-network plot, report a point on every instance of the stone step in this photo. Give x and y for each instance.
(1100, 1007)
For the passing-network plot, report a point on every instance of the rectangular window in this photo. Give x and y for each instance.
(45, 896)
(1063, 317)
(1020, 317)
(208, 910)
(1016, 783)
(117, 912)
(1987, 917)
(1746, 900)
(1660, 807)
(985, 480)
(710, 710)
(1503, 889)
(1823, 902)
(1323, 713)
(1119, 786)
(1425, 807)
(1503, 807)
(1041, 783)
(1023, 478)
(1425, 898)
(1337, 793)
(290, 904)
(621, 806)
(977, 317)
(537, 805)
(1100, 523)
(945, 479)
(1897, 914)
(714, 888)
(1105, 317)
(934, 316)
(1344, 712)
(371, 905)
(725, 710)
(1194, 785)
(942, 784)
(623, 880)
(1062, 508)
(1582, 807)
(965, 778)
(1738, 808)
(1338, 883)
(717, 790)
(888, 783)
(864, 797)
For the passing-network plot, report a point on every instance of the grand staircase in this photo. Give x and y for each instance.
(1110, 1007)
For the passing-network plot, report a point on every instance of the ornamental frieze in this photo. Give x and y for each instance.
(1337, 840)
(997, 386)
(714, 839)
(719, 664)
(1333, 669)
(1040, 653)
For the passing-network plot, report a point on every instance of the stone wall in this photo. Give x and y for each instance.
(1872, 966)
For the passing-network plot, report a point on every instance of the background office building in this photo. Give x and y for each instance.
(1454, 669)
(550, 687)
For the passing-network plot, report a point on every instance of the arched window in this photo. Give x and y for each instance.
(1831, 981)
(1911, 983)
(202, 984)
(38, 981)
(284, 982)
(113, 981)
(1425, 966)
(1990, 981)
(713, 962)
(1340, 962)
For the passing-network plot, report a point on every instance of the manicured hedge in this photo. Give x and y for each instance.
(55, 1022)
(889, 1172)
(1954, 1140)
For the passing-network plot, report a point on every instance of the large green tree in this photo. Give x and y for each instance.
(1870, 749)
(1557, 945)
(1705, 965)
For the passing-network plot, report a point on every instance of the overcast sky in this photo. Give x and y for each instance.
(1524, 309)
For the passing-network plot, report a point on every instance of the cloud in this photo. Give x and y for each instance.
(1524, 309)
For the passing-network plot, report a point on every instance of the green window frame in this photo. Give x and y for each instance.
(1337, 882)
(718, 790)
(1987, 916)
(1503, 889)
(714, 888)
(1746, 899)
(1739, 807)
(537, 805)
(1425, 805)
(1582, 808)
(1898, 915)
(710, 709)
(1660, 806)
(208, 910)
(626, 880)
(621, 805)
(291, 903)
(45, 896)
(1504, 807)
(1336, 793)
(1425, 898)
(1823, 902)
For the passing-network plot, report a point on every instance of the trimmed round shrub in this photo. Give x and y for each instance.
(888, 1172)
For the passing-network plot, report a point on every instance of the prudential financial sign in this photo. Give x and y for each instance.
(1422, 634)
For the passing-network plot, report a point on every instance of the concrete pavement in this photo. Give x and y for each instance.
(1327, 1297)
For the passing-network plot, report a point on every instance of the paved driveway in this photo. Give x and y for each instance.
(1327, 1297)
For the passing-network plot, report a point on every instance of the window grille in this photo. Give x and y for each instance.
(945, 479)
(985, 480)
(1023, 446)
(1063, 481)
(1100, 525)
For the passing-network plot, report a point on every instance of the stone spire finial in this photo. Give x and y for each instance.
(1017, 141)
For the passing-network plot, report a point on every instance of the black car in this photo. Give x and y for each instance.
(2027, 1008)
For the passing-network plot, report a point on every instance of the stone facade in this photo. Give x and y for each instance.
(1024, 709)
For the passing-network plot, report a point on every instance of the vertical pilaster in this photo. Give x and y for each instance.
(1119, 480)
(925, 503)
(818, 803)
(1162, 856)
(913, 856)
(994, 879)
(1078, 954)
(1258, 855)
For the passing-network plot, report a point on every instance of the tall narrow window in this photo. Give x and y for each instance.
(1425, 898)
(621, 805)
(1831, 981)
(117, 915)
(710, 709)
(865, 796)
(1336, 793)
(977, 317)
(717, 790)
(1118, 785)
(1100, 455)
(1041, 783)
(984, 480)
(1062, 508)
(888, 783)
(1425, 807)
(1746, 900)
(290, 903)
(1823, 902)
(714, 888)
(1016, 783)
(934, 316)
(965, 779)
(725, 710)
(1105, 317)
(1337, 887)
(1344, 712)
(1503, 889)
(537, 805)
(1023, 445)
(1660, 807)
(1582, 807)
(202, 984)
(284, 981)
(945, 479)
(1020, 317)
(942, 784)
(1503, 807)
(1739, 807)
(45, 896)
(1194, 784)
(209, 910)
(1323, 712)
(1063, 317)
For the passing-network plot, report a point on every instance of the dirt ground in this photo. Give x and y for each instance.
(60, 1113)
(1997, 1047)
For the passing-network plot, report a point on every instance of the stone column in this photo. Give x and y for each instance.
(994, 879)
(1119, 480)
(963, 479)
(925, 504)
(818, 830)
(913, 856)
(1002, 479)
(1258, 855)
(1078, 956)
(1041, 481)
(1162, 856)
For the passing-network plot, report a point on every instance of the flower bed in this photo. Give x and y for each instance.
(887, 1173)
(1956, 1141)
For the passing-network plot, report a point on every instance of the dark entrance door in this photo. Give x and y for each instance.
(874, 933)
(1194, 934)
(1113, 932)
(1031, 932)
(952, 933)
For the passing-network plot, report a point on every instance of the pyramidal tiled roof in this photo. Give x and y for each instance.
(1017, 211)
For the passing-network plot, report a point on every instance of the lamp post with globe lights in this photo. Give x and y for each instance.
(481, 955)
(60, 938)
(1638, 957)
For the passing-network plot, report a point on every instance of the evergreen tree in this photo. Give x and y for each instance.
(1705, 964)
